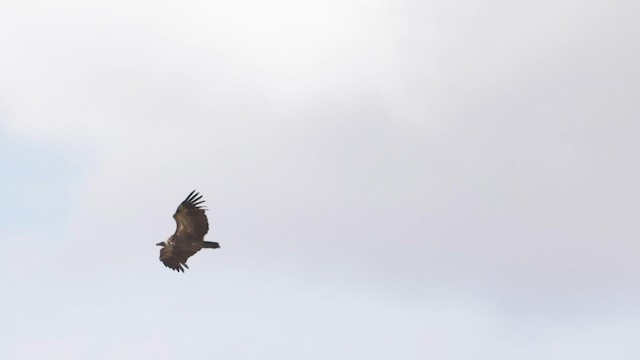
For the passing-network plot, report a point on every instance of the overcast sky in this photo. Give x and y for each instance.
(402, 179)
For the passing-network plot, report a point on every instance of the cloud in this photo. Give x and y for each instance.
(55, 348)
(390, 151)
(313, 129)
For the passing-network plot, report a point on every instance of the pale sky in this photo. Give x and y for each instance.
(421, 180)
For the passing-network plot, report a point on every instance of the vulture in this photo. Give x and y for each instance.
(188, 239)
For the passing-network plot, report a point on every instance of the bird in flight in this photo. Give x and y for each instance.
(188, 239)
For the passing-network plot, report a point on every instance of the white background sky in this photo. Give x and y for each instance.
(388, 180)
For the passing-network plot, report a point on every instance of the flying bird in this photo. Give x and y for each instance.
(188, 239)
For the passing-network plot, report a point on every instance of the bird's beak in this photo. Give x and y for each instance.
(159, 244)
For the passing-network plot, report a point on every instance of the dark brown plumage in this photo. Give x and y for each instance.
(188, 239)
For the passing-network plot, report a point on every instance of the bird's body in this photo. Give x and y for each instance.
(188, 239)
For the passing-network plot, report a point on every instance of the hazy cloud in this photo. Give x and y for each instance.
(446, 180)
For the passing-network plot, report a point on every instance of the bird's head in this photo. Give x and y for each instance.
(161, 243)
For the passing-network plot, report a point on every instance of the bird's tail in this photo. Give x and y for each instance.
(211, 245)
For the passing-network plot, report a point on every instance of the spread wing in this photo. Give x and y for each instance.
(191, 227)
(191, 222)
(175, 258)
